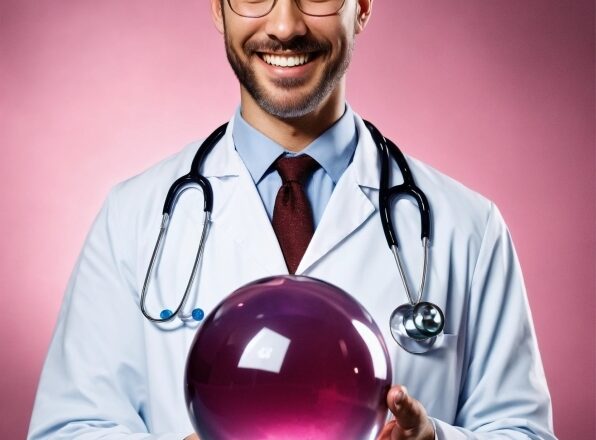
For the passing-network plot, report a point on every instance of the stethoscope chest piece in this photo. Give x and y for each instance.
(416, 328)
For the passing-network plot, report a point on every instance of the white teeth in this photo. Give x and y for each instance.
(285, 60)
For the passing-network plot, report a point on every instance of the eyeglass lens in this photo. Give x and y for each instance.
(260, 8)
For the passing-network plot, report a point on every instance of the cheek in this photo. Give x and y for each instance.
(341, 45)
(338, 33)
(239, 31)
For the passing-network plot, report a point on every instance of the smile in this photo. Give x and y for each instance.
(286, 60)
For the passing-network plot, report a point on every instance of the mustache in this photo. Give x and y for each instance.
(297, 44)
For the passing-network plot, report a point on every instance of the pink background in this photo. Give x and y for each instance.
(498, 94)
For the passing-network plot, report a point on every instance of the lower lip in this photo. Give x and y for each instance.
(288, 72)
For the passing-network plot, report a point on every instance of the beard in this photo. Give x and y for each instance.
(299, 103)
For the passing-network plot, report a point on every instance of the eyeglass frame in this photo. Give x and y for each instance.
(297, 5)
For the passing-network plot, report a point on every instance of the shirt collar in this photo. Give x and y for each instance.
(333, 149)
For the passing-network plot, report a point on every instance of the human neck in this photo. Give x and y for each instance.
(296, 133)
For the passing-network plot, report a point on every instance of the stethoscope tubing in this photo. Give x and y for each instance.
(194, 177)
(190, 180)
(408, 188)
(410, 332)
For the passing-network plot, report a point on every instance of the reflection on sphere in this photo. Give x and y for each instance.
(288, 358)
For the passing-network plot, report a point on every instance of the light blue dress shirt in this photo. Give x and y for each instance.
(333, 150)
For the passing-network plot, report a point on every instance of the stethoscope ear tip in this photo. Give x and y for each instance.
(198, 314)
(166, 314)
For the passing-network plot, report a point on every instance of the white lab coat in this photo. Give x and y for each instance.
(112, 374)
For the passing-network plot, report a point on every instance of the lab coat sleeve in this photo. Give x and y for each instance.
(92, 383)
(504, 392)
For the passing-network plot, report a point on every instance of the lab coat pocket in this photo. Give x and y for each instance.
(445, 342)
(436, 360)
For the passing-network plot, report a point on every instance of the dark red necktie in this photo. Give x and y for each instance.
(292, 214)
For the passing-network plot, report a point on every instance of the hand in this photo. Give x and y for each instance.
(411, 421)
(192, 437)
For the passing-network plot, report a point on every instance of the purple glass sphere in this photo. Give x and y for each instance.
(288, 358)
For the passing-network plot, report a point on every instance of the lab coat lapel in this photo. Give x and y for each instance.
(239, 211)
(252, 230)
(349, 207)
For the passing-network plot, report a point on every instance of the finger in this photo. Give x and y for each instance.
(408, 412)
(395, 394)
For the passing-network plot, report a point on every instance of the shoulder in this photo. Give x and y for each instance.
(221, 161)
(447, 190)
(134, 206)
(455, 208)
(151, 181)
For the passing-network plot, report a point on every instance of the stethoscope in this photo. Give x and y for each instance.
(415, 326)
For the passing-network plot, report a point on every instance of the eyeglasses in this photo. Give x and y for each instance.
(260, 8)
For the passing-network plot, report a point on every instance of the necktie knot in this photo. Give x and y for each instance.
(295, 168)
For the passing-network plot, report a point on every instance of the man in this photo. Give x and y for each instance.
(112, 374)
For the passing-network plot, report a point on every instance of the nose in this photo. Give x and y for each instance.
(285, 21)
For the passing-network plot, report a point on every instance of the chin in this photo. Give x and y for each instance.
(288, 109)
(292, 104)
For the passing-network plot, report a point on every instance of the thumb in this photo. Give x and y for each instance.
(408, 412)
